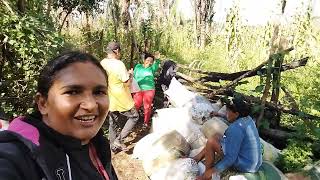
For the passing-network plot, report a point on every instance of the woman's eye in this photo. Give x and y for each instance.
(72, 92)
(101, 93)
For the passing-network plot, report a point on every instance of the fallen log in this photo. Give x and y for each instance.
(194, 80)
(281, 108)
(217, 76)
(276, 134)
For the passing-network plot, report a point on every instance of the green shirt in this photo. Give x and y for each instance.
(145, 76)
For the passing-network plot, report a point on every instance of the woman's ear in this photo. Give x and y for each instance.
(41, 102)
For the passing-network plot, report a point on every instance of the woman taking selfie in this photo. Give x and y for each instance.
(62, 139)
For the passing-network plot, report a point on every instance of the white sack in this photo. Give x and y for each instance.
(178, 119)
(167, 148)
(213, 126)
(270, 153)
(143, 146)
(237, 177)
(197, 139)
(195, 152)
(201, 109)
(178, 95)
(180, 169)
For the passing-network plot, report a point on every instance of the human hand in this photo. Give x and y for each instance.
(213, 113)
(130, 71)
(157, 55)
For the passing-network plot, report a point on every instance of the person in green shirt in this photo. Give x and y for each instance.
(144, 75)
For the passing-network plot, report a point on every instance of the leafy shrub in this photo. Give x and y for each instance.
(295, 156)
(27, 42)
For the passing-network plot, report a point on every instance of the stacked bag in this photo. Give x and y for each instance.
(179, 133)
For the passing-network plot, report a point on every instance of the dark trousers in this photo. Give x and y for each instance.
(117, 119)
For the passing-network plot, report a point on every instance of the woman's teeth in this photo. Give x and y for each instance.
(86, 118)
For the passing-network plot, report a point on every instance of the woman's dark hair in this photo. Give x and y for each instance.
(47, 75)
(146, 55)
(238, 105)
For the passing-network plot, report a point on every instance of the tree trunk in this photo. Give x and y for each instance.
(276, 79)
(114, 13)
(21, 5)
(2, 58)
(197, 6)
(283, 5)
(132, 50)
(88, 33)
(64, 19)
(203, 24)
(204, 12)
(49, 8)
(163, 15)
(273, 49)
(125, 13)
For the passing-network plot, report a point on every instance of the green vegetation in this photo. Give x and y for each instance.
(30, 35)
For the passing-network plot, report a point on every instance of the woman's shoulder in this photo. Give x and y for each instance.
(12, 143)
(138, 65)
(12, 148)
(241, 123)
(15, 158)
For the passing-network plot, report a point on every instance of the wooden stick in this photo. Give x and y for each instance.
(293, 103)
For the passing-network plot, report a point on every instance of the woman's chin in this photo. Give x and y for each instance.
(86, 135)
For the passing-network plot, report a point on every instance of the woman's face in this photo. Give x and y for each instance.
(232, 116)
(148, 62)
(77, 102)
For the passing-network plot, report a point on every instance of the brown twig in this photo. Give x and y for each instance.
(293, 103)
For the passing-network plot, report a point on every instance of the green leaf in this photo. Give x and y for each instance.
(259, 88)
(11, 41)
(35, 50)
(256, 108)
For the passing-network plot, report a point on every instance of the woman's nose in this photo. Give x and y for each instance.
(89, 102)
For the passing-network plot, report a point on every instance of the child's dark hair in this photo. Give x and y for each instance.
(238, 105)
(146, 55)
(60, 62)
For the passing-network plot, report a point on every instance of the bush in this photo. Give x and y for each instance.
(296, 156)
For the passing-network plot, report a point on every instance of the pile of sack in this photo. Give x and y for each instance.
(180, 132)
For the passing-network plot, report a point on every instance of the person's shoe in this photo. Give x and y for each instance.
(120, 146)
(115, 149)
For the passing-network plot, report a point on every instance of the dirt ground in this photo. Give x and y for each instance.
(126, 167)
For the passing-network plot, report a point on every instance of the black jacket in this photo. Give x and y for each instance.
(169, 70)
(30, 150)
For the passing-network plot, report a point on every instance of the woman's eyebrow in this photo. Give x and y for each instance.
(101, 87)
(72, 87)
